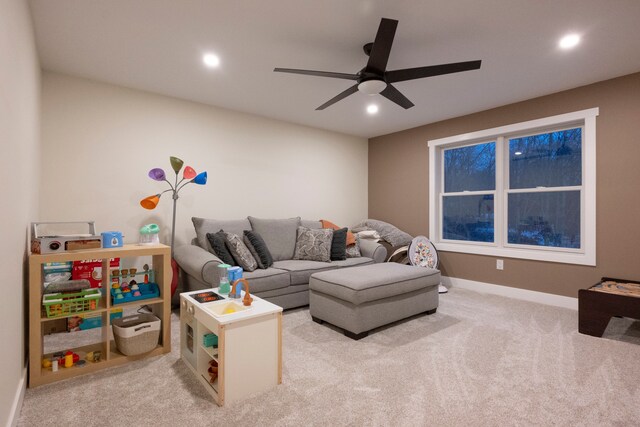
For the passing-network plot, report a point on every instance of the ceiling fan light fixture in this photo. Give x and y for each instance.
(372, 109)
(372, 87)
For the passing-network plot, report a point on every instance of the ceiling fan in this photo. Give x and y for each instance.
(374, 77)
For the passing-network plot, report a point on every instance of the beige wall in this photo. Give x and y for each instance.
(399, 182)
(19, 176)
(100, 140)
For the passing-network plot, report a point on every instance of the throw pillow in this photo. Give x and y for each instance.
(258, 248)
(219, 246)
(351, 238)
(353, 251)
(314, 245)
(204, 226)
(240, 252)
(278, 234)
(339, 244)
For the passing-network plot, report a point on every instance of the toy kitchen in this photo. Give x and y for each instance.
(231, 341)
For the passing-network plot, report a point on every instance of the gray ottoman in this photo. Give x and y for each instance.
(359, 299)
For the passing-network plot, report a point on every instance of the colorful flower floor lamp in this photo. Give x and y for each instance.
(188, 176)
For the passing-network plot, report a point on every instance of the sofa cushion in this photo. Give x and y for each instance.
(301, 270)
(262, 280)
(284, 291)
(204, 226)
(339, 244)
(218, 244)
(279, 235)
(313, 245)
(311, 224)
(352, 262)
(373, 282)
(258, 248)
(240, 252)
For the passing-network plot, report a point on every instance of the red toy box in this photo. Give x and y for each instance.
(91, 269)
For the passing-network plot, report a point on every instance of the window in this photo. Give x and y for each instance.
(522, 191)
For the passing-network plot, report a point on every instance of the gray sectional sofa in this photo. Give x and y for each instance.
(286, 283)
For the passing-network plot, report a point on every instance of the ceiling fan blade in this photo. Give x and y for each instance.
(318, 73)
(382, 46)
(430, 71)
(353, 89)
(393, 94)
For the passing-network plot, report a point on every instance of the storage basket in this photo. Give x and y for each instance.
(136, 334)
(64, 304)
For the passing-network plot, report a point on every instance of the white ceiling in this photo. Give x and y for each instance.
(156, 45)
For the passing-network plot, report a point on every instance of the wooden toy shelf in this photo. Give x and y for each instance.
(161, 307)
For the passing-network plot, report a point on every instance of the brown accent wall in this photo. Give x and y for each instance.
(399, 186)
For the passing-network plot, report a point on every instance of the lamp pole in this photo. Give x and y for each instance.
(173, 223)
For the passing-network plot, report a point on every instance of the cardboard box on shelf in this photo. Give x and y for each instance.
(91, 270)
(54, 326)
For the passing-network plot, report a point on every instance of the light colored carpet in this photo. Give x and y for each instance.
(480, 360)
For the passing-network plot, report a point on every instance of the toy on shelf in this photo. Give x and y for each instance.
(112, 239)
(64, 304)
(149, 235)
(213, 370)
(143, 291)
(236, 291)
(124, 287)
(224, 286)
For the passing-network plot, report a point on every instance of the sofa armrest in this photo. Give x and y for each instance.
(373, 250)
(199, 263)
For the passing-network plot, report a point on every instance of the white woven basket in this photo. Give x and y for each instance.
(136, 334)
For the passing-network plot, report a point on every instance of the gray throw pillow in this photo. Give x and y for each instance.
(314, 244)
(278, 234)
(258, 248)
(339, 245)
(240, 253)
(353, 251)
(204, 226)
(219, 245)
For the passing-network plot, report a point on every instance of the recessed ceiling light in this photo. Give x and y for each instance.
(372, 108)
(569, 41)
(210, 60)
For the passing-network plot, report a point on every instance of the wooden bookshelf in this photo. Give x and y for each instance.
(161, 307)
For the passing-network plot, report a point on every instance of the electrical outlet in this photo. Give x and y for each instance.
(500, 264)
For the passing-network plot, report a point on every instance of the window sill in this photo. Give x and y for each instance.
(548, 255)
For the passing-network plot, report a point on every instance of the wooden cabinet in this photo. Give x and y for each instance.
(38, 321)
(249, 351)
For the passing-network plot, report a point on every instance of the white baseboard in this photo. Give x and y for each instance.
(507, 291)
(17, 401)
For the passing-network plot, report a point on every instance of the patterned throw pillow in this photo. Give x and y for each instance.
(353, 251)
(240, 252)
(258, 248)
(219, 246)
(314, 244)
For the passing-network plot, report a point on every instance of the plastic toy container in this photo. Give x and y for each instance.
(149, 235)
(136, 334)
(147, 290)
(64, 304)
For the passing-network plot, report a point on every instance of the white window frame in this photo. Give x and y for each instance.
(585, 255)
